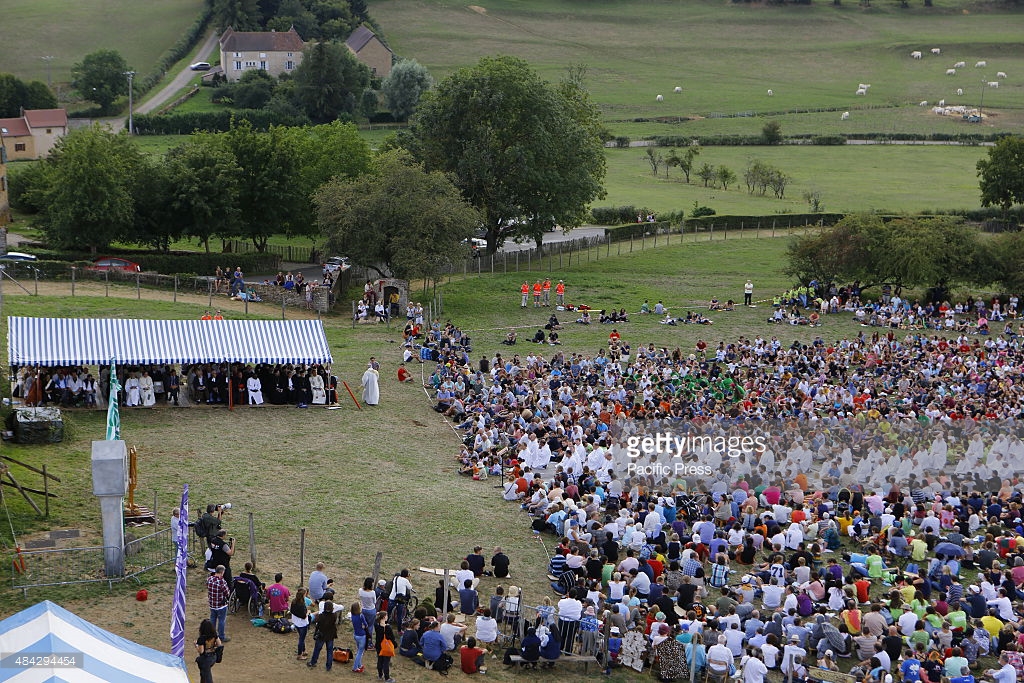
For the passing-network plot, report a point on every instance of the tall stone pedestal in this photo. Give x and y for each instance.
(110, 484)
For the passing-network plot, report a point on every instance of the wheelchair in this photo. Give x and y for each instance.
(245, 595)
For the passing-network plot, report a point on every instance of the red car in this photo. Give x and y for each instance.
(113, 263)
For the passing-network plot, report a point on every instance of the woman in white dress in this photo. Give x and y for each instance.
(131, 391)
(316, 385)
(146, 390)
(255, 390)
(371, 390)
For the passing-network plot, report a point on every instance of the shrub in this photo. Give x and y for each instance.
(622, 141)
(699, 211)
(828, 140)
(213, 121)
(615, 215)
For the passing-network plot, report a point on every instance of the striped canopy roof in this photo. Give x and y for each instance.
(95, 341)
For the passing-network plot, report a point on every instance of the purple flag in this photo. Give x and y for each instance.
(179, 532)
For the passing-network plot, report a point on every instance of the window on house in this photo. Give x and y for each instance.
(263, 64)
(290, 54)
(289, 65)
(19, 146)
(49, 131)
(238, 54)
(238, 66)
(263, 55)
(250, 65)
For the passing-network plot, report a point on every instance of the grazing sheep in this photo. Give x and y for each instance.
(862, 91)
(942, 103)
(916, 54)
(993, 84)
(923, 103)
(864, 85)
(771, 93)
(845, 116)
(1000, 74)
(959, 65)
(959, 92)
(936, 51)
(678, 89)
(980, 65)
(660, 98)
(951, 72)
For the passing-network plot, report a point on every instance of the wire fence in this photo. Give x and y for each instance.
(59, 567)
(292, 254)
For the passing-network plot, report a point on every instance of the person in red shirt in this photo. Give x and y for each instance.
(525, 291)
(862, 585)
(472, 657)
(278, 596)
(614, 336)
(403, 374)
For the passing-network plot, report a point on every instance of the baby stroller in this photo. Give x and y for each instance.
(245, 595)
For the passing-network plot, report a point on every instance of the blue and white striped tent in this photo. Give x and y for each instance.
(48, 629)
(94, 341)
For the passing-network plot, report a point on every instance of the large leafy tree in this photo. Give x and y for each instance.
(87, 195)
(397, 218)
(156, 222)
(16, 94)
(241, 15)
(204, 179)
(269, 193)
(527, 154)
(329, 81)
(100, 78)
(404, 87)
(1002, 174)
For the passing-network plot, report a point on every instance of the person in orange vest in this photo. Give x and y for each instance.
(536, 294)
(560, 293)
(525, 291)
(546, 287)
(206, 316)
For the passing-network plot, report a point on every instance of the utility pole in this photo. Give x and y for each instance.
(49, 80)
(131, 126)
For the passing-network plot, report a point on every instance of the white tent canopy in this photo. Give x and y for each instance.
(95, 341)
(46, 629)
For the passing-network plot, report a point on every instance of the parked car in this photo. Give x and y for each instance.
(200, 66)
(113, 263)
(336, 264)
(17, 256)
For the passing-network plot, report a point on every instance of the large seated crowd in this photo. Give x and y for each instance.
(879, 519)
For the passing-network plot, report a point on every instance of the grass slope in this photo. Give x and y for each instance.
(140, 31)
(726, 56)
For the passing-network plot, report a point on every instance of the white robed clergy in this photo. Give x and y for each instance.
(371, 389)
(255, 390)
(146, 390)
(316, 385)
(132, 394)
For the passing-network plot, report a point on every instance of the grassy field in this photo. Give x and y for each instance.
(362, 481)
(908, 178)
(726, 56)
(140, 31)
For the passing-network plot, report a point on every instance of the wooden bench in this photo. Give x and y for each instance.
(586, 660)
(826, 676)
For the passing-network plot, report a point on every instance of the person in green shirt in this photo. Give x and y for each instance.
(876, 565)
(957, 619)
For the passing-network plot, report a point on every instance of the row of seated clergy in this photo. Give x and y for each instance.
(277, 386)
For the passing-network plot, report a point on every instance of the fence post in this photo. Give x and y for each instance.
(376, 566)
(46, 491)
(492, 264)
(138, 288)
(504, 261)
(175, 289)
(209, 287)
(247, 304)
(608, 245)
(655, 238)
(302, 555)
(559, 256)
(773, 227)
(619, 248)
(479, 265)
(517, 261)
(106, 286)
(529, 260)
(252, 542)
(630, 241)
(284, 295)
(72, 280)
(757, 232)
(35, 273)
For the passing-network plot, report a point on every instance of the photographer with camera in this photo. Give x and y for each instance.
(221, 550)
(209, 524)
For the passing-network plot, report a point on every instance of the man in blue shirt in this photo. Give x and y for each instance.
(432, 643)
(911, 668)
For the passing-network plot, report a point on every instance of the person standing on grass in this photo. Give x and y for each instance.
(299, 611)
(748, 293)
(560, 293)
(537, 287)
(206, 649)
(386, 645)
(525, 292)
(325, 632)
(546, 289)
(217, 593)
(361, 629)
(368, 601)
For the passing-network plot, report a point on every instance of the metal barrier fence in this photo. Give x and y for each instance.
(287, 253)
(69, 566)
(515, 617)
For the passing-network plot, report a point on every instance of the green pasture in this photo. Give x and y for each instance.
(198, 102)
(910, 178)
(68, 31)
(726, 56)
